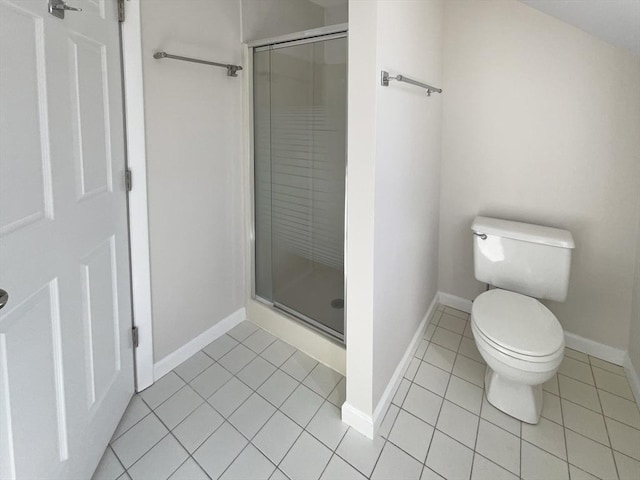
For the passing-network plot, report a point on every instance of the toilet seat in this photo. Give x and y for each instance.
(517, 326)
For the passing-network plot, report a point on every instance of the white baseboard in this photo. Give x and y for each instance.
(633, 376)
(453, 301)
(355, 418)
(396, 378)
(595, 349)
(174, 359)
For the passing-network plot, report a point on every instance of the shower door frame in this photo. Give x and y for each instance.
(289, 40)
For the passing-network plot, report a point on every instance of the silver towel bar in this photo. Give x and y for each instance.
(384, 81)
(231, 69)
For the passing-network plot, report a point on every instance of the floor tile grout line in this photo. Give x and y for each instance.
(311, 433)
(475, 443)
(226, 418)
(221, 336)
(475, 453)
(451, 372)
(607, 372)
(592, 411)
(334, 389)
(601, 412)
(613, 457)
(189, 456)
(251, 388)
(564, 434)
(205, 400)
(113, 440)
(277, 408)
(565, 460)
(596, 387)
(582, 470)
(171, 395)
(443, 397)
(350, 464)
(304, 428)
(626, 455)
(387, 439)
(399, 447)
(249, 443)
(239, 453)
(333, 454)
(595, 441)
(288, 449)
(117, 458)
(450, 330)
(205, 368)
(150, 448)
(256, 332)
(622, 374)
(206, 438)
(375, 464)
(435, 427)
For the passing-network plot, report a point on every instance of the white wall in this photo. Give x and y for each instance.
(337, 13)
(392, 188)
(193, 117)
(541, 124)
(407, 179)
(361, 151)
(270, 18)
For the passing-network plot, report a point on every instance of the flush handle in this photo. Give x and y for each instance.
(4, 298)
(483, 236)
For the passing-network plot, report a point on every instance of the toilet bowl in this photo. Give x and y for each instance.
(523, 345)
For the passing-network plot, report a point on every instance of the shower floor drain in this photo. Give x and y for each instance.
(337, 303)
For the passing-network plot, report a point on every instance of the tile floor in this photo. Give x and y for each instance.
(250, 406)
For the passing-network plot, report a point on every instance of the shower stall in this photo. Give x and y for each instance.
(299, 170)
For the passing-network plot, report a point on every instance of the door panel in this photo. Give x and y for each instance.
(66, 356)
(100, 320)
(25, 189)
(89, 96)
(30, 349)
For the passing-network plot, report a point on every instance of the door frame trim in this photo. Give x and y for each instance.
(138, 200)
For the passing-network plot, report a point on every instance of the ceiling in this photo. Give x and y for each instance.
(614, 21)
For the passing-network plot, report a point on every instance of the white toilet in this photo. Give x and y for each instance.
(519, 338)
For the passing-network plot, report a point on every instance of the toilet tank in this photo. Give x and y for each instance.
(523, 258)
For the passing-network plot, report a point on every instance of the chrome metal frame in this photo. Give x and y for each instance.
(308, 36)
(298, 36)
(309, 321)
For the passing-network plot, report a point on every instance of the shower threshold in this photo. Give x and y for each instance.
(309, 322)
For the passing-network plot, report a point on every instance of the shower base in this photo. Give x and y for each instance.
(312, 295)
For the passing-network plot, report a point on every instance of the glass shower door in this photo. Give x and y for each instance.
(300, 93)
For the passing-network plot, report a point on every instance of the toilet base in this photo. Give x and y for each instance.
(521, 401)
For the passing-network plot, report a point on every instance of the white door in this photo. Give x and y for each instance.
(66, 355)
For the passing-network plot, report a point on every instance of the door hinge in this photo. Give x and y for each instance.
(128, 183)
(134, 337)
(121, 10)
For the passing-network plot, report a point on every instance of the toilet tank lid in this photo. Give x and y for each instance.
(526, 232)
